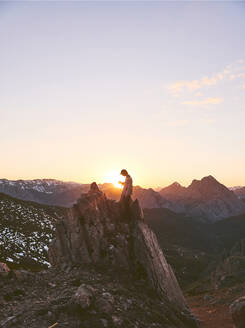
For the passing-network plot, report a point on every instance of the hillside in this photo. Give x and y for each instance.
(189, 244)
(192, 247)
(230, 231)
(26, 229)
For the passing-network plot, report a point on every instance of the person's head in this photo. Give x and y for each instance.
(124, 172)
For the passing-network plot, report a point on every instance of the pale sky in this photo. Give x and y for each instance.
(158, 88)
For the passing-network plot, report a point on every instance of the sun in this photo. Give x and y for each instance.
(113, 177)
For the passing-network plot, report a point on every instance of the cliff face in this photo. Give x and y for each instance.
(96, 233)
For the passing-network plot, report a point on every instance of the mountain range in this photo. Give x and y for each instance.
(44, 191)
(205, 199)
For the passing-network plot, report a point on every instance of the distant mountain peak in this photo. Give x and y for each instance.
(173, 186)
(172, 191)
(176, 184)
(206, 198)
(209, 178)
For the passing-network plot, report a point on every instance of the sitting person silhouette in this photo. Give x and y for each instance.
(127, 191)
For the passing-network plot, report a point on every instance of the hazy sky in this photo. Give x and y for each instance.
(157, 88)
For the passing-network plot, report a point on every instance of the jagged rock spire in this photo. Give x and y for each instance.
(94, 188)
(95, 232)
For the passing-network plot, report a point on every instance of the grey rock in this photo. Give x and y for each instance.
(117, 321)
(83, 296)
(104, 323)
(104, 303)
(237, 309)
(4, 267)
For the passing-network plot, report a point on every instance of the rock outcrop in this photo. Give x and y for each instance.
(3, 267)
(237, 310)
(95, 233)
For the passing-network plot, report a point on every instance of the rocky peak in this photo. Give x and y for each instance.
(94, 188)
(174, 187)
(209, 178)
(208, 187)
(211, 200)
(176, 184)
(96, 233)
(173, 192)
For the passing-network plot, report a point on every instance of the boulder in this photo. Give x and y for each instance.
(83, 296)
(4, 270)
(104, 303)
(117, 321)
(237, 309)
(4, 267)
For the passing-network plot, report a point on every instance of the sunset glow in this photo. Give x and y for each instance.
(89, 87)
(114, 177)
